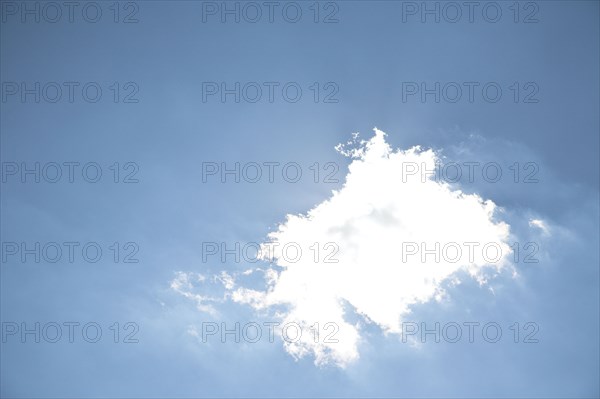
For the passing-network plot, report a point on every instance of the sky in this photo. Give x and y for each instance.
(291, 199)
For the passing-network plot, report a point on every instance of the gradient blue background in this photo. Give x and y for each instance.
(170, 212)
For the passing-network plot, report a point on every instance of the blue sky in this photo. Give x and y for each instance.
(365, 61)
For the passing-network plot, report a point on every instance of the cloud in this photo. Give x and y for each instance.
(185, 284)
(540, 224)
(388, 239)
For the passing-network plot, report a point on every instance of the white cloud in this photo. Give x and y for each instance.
(540, 224)
(185, 283)
(193, 331)
(368, 219)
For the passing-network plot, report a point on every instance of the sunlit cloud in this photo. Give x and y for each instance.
(388, 239)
